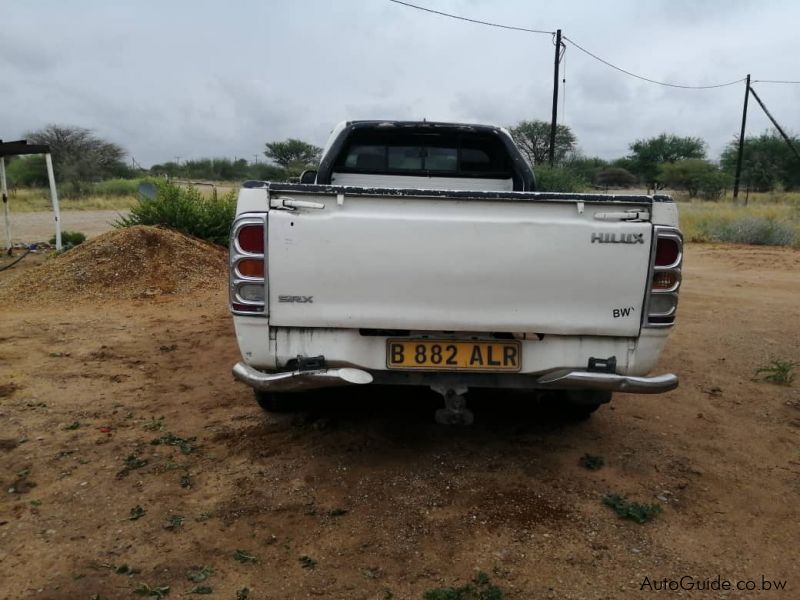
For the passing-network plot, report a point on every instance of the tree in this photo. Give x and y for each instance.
(646, 155)
(79, 156)
(293, 154)
(768, 162)
(586, 167)
(696, 176)
(533, 140)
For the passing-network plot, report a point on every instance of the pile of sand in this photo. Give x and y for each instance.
(134, 262)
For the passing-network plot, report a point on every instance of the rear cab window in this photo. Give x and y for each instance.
(425, 154)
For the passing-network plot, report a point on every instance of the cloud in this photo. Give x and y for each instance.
(222, 79)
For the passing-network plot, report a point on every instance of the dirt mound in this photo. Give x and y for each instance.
(134, 262)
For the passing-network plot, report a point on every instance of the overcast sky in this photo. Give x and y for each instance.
(211, 78)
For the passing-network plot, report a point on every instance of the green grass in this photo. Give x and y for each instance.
(780, 372)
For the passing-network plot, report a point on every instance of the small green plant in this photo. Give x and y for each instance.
(137, 512)
(307, 562)
(591, 462)
(72, 426)
(244, 557)
(154, 424)
(243, 594)
(174, 523)
(157, 592)
(186, 481)
(134, 462)
(69, 239)
(201, 589)
(480, 588)
(186, 445)
(641, 513)
(199, 574)
(780, 372)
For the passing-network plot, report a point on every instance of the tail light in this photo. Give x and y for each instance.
(248, 265)
(664, 280)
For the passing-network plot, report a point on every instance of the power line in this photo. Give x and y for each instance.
(664, 83)
(499, 25)
(772, 81)
(579, 47)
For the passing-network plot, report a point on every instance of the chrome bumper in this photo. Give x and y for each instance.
(586, 380)
(297, 381)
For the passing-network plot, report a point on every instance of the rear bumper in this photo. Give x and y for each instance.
(298, 381)
(295, 381)
(585, 380)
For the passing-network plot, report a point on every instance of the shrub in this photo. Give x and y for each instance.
(758, 231)
(615, 176)
(558, 179)
(117, 187)
(696, 176)
(69, 239)
(187, 210)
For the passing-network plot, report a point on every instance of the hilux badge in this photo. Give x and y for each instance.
(618, 238)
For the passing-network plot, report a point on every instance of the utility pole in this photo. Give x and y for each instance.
(555, 99)
(741, 141)
(786, 138)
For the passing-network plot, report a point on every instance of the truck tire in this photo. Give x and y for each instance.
(578, 405)
(275, 402)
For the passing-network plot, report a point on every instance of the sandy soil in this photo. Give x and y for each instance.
(362, 495)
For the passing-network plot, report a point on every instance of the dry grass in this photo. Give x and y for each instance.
(704, 221)
(38, 200)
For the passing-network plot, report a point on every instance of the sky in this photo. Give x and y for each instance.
(188, 79)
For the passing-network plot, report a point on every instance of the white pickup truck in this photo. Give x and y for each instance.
(419, 253)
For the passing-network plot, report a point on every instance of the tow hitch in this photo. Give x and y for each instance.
(455, 411)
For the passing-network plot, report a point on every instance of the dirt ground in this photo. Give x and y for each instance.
(129, 456)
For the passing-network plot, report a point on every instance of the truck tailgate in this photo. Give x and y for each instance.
(442, 264)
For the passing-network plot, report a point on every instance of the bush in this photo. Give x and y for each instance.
(187, 210)
(69, 239)
(117, 187)
(615, 177)
(558, 179)
(696, 176)
(758, 231)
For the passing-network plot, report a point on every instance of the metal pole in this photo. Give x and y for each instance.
(741, 141)
(555, 100)
(4, 191)
(774, 122)
(54, 198)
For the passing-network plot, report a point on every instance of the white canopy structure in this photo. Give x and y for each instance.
(19, 148)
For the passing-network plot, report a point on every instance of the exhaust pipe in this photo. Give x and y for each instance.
(297, 381)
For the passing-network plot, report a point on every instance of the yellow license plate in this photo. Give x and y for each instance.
(453, 355)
